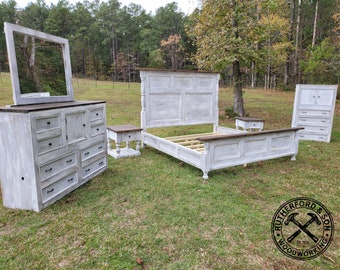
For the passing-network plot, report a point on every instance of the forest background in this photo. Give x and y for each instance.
(277, 43)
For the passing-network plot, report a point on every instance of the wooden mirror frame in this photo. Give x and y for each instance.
(18, 97)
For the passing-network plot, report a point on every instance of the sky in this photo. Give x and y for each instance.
(186, 6)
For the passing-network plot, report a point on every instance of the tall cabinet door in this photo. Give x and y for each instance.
(75, 126)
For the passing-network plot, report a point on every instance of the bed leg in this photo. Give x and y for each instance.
(205, 175)
(293, 158)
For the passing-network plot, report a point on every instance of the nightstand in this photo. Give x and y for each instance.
(249, 123)
(120, 134)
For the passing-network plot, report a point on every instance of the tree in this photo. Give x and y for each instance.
(59, 21)
(34, 15)
(273, 43)
(7, 14)
(225, 34)
(173, 51)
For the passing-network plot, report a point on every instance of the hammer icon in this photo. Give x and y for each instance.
(291, 218)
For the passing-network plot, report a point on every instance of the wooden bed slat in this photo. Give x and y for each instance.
(189, 137)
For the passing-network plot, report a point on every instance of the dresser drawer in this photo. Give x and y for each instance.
(47, 123)
(57, 166)
(97, 128)
(313, 137)
(59, 186)
(92, 150)
(322, 113)
(94, 166)
(49, 144)
(96, 114)
(313, 121)
(315, 129)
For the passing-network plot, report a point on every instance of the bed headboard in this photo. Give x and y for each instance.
(177, 98)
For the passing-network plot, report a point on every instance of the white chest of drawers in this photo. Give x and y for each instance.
(48, 150)
(314, 111)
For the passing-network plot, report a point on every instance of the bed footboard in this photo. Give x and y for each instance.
(224, 151)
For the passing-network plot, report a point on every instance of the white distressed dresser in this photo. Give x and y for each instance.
(48, 150)
(314, 111)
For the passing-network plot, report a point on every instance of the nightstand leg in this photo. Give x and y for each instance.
(118, 148)
(137, 145)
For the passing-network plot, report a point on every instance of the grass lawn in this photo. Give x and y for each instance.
(155, 212)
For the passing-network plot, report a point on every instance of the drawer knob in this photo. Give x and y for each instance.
(88, 170)
(49, 191)
(101, 163)
(70, 180)
(50, 144)
(84, 125)
(48, 123)
(49, 170)
(87, 153)
(100, 147)
(68, 161)
(97, 114)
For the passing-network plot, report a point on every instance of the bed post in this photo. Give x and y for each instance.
(205, 160)
(296, 146)
(143, 111)
(216, 103)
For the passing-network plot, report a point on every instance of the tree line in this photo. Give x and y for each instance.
(260, 43)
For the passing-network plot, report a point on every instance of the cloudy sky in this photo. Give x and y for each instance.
(186, 6)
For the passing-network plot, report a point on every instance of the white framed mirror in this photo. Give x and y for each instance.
(40, 66)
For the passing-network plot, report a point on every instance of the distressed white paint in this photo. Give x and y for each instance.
(120, 134)
(176, 98)
(34, 98)
(45, 153)
(314, 111)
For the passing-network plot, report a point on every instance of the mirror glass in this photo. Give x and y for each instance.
(40, 66)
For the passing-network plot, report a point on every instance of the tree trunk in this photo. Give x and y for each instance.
(290, 38)
(297, 44)
(30, 62)
(237, 78)
(238, 96)
(315, 22)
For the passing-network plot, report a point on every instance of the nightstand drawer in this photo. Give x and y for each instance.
(59, 186)
(130, 136)
(57, 166)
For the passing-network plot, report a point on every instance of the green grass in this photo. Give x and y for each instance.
(158, 211)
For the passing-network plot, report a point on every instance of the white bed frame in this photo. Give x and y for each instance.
(181, 98)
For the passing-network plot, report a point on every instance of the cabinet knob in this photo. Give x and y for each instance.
(48, 123)
(84, 125)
